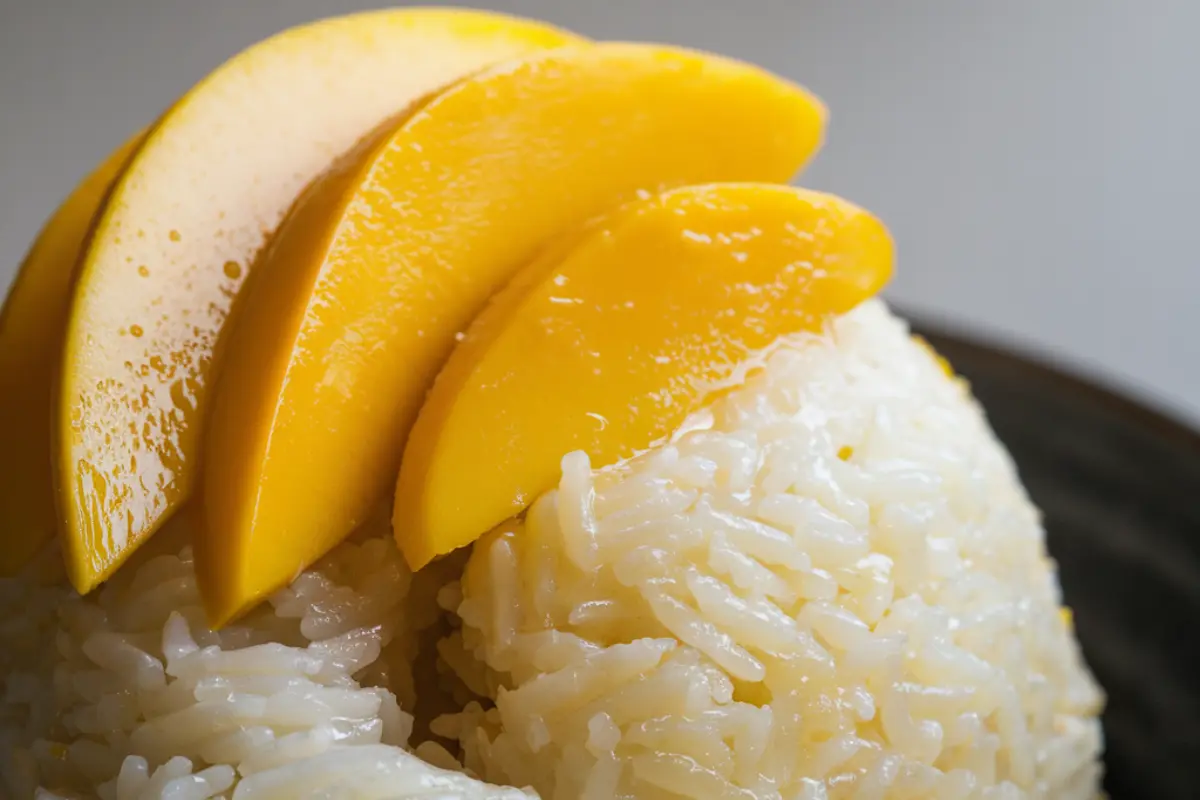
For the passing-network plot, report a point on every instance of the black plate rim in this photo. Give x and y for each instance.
(1069, 378)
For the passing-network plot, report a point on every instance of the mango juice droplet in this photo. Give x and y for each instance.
(144, 271)
(174, 236)
(233, 270)
(136, 330)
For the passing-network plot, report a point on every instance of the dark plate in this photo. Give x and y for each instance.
(1120, 489)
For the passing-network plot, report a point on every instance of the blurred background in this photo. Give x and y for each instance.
(1036, 161)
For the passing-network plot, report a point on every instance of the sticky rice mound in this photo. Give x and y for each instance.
(835, 587)
(831, 585)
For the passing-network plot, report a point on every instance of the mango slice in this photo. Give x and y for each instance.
(31, 331)
(357, 303)
(182, 227)
(608, 343)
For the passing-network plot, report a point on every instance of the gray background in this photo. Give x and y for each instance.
(1037, 160)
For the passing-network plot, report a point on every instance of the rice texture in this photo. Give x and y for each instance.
(834, 586)
(127, 695)
(830, 585)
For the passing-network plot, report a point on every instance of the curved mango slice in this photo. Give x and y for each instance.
(179, 233)
(356, 305)
(31, 331)
(609, 345)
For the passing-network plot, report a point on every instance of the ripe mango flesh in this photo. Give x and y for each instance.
(31, 331)
(352, 311)
(182, 227)
(607, 343)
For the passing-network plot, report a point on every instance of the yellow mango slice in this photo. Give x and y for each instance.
(606, 345)
(31, 331)
(182, 227)
(357, 302)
